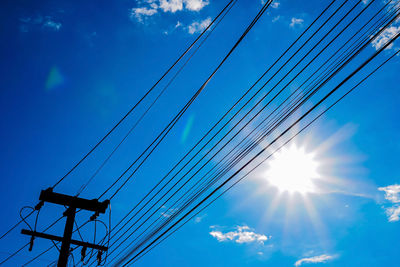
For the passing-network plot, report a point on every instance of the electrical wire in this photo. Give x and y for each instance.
(269, 156)
(123, 185)
(126, 115)
(248, 91)
(209, 32)
(174, 207)
(172, 123)
(274, 141)
(141, 99)
(27, 244)
(316, 45)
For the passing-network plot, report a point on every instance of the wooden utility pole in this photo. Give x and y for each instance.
(72, 203)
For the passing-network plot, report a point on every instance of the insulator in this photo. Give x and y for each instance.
(83, 253)
(99, 254)
(31, 243)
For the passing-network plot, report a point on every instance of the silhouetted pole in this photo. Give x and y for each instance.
(66, 243)
(72, 203)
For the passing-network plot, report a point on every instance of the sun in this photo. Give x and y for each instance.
(292, 169)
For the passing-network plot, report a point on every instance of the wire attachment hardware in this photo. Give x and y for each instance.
(83, 253)
(31, 243)
(99, 254)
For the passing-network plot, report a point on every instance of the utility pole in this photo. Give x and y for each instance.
(72, 203)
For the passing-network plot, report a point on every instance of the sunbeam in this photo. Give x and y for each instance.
(293, 170)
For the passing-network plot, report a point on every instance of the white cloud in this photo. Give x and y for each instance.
(171, 5)
(198, 219)
(47, 23)
(195, 5)
(178, 24)
(275, 19)
(241, 235)
(316, 259)
(166, 213)
(275, 4)
(148, 8)
(296, 21)
(385, 36)
(393, 213)
(199, 26)
(141, 12)
(52, 25)
(392, 194)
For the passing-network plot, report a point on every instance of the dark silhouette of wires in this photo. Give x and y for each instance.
(222, 118)
(275, 140)
(160, 205)
(270, 155)
(142, 98)
(172, 123)
(174, 206)
(209, 32)
(216, 19)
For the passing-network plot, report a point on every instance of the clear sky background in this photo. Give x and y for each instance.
(70, 69)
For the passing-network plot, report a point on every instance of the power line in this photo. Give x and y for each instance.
(141, 99)
(265, 148)
(269, 102)
(209, 32)
(173, 206)
(269, 156)
(199, 161)
(129, 112)
(172, 123)
(27, 244)
(226, 114)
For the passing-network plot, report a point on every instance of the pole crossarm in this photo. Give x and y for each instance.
(58, 238)
(74, 202)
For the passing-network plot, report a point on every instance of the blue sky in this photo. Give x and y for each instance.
(70, 70)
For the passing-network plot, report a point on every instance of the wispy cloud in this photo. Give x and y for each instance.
(242, 234)
(274, 4)
(149, 8)
(141, 13)
(385, 36)
(37, 22)
(392, 194)
(50, 24)
(198, 219)
(393, 213)
(316, 259)
(198, 26)
(389, 32)
(166, 213)
(296, 21)
(275, 19)
(171, 5)
(178, 24)
(196, 5)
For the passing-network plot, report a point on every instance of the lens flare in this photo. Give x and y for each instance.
(54, 79)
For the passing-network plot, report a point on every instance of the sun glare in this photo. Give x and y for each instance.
(292, 169)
